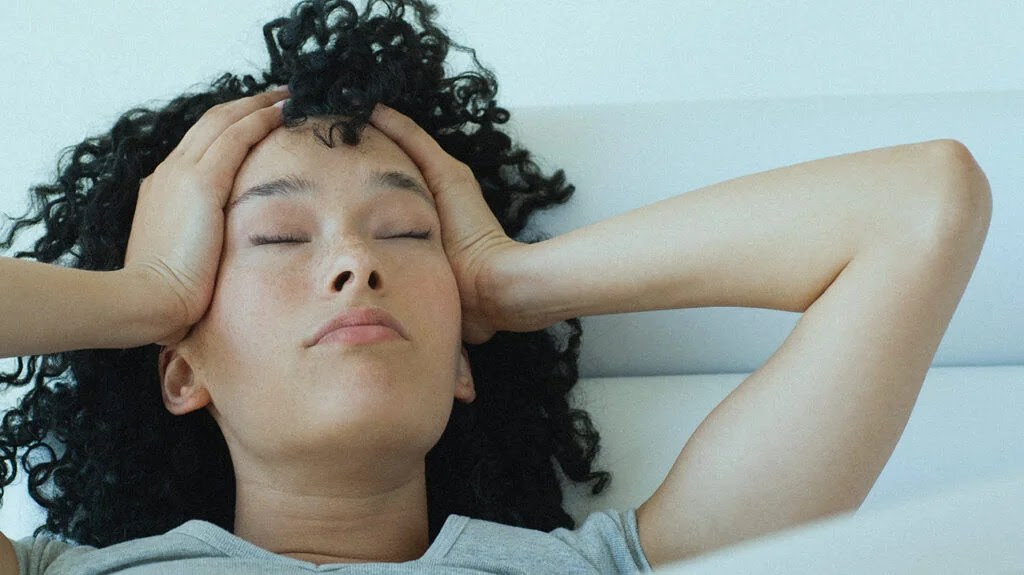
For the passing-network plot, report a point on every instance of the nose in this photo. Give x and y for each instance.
(353, 266)
(371, 278)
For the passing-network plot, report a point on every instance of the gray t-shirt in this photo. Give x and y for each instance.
(606, 542)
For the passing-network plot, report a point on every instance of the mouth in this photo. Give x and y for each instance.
(359, 325)
(359, 334)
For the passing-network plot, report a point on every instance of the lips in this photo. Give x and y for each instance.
(358, 316)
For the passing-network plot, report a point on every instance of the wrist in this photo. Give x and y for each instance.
(513, 290)
(151, 315)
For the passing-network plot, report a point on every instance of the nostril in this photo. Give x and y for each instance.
(340, 280)
(373, 281)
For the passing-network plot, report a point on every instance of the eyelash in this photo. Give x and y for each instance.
(421, 235)
(258, 240)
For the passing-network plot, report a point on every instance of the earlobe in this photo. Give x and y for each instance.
(464, 389)
(181, 391)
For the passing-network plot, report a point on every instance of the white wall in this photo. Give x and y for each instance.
(73, 67)
(586, 51)
(77, 65)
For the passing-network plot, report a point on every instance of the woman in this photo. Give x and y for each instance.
(259, 429)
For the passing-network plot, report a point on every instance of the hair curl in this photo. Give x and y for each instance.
(105, 458)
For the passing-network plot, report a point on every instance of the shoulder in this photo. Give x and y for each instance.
(36, 554)
(45, 554)
(606, 540)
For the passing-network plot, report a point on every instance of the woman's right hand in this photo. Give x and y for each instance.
(178, 228)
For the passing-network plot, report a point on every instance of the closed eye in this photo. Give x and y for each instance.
(258, 240)
(422, 235)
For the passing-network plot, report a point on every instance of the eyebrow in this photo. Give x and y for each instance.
(294, 185)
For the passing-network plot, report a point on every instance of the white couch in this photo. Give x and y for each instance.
(650, 378)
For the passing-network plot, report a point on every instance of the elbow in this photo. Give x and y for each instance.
(961, 206)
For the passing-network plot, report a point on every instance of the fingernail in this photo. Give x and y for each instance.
(281, 88)
(280, 103)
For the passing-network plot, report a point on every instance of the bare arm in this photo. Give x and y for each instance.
(49, 308)
(774, 240)
(8, 560)
(876, 248)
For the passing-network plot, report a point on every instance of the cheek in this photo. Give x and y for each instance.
(441, 288)
(245, 312)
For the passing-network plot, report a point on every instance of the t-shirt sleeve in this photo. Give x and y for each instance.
(609, 541)
(36, 554)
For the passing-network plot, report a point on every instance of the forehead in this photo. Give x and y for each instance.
(299, 151)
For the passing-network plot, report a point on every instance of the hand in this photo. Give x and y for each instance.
(178, 227)
(473, 239)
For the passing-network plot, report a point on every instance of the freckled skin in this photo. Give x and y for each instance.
(276, 399)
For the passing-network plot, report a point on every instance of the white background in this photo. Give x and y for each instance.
(72, 67)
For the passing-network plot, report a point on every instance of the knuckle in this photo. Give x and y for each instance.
(214, 110)
(232, 135)
(460, 173)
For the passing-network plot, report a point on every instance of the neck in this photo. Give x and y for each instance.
(298, 513)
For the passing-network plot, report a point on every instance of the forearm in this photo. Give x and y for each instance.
(775, 239)
(47, 308)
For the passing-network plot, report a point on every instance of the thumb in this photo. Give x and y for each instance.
(175, 336)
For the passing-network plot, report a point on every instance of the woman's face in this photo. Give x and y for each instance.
(276, 395)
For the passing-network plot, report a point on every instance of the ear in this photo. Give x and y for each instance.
(182, 393)
(464, 389)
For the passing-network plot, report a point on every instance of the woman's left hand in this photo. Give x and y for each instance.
(473, 239)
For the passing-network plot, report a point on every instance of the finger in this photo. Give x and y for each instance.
(437, 166)
(475, 336)
(175, 337)
(466, 218)
(228, 151)
(216, 120)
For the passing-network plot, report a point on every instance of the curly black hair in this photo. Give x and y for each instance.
(104, 457)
